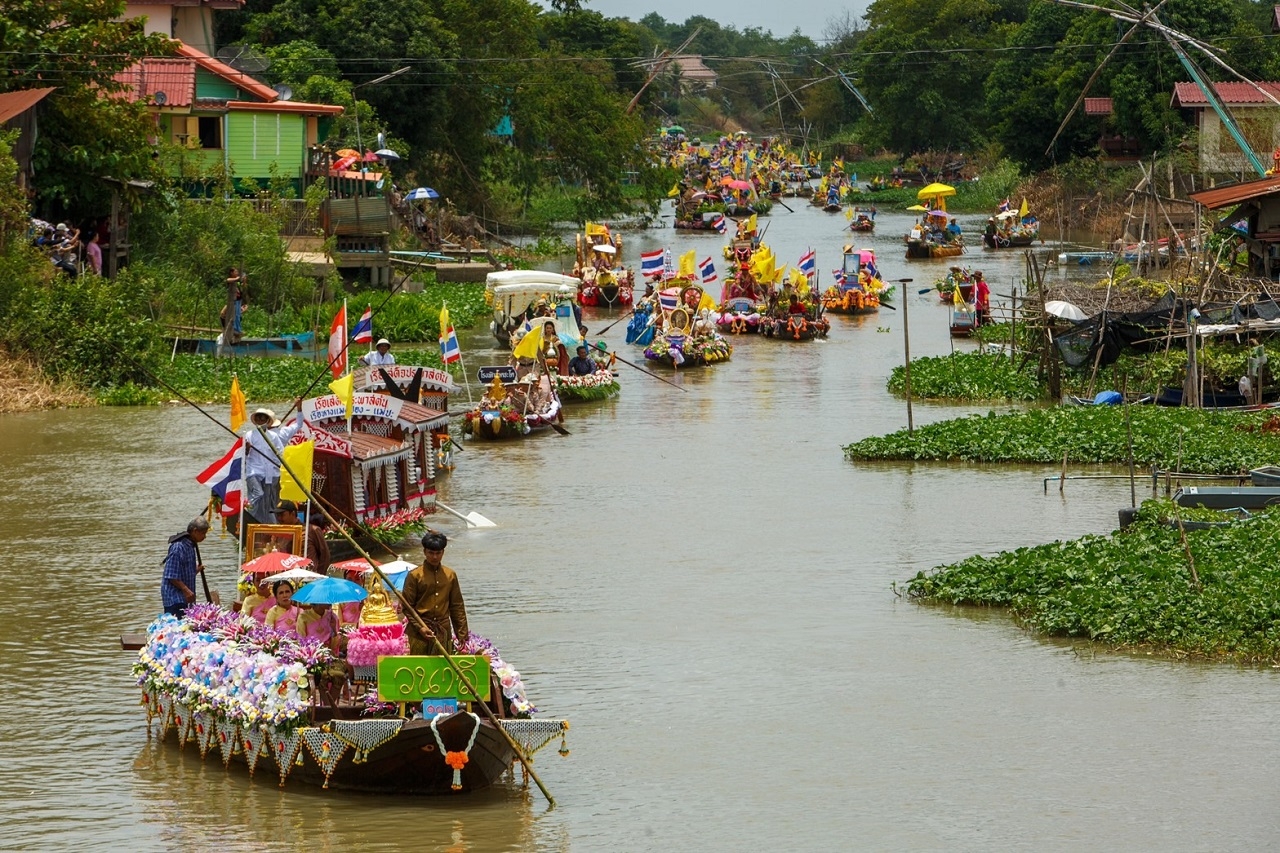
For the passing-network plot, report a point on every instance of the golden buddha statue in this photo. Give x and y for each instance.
(377, 609)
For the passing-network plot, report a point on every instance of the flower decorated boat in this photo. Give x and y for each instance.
(858, 288)
(519, 295)
(925, 248)
(241, 693)
(956, 277)
(685, 332)
(514, 409)
(600, 385)
(603, 280)
(805, 324)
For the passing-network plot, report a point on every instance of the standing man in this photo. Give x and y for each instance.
(232, 313)
(264, 443)
(177, 587)
(982, 299)
(432, 591)
(381, 355)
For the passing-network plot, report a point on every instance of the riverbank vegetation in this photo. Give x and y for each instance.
(1214, 595)
(1168, 438)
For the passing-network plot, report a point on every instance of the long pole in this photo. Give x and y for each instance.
(598, 348)
(407, 609)
(906, 348)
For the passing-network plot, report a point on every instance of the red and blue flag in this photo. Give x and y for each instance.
(225, 478)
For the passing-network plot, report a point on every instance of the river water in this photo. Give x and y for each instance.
(702, 585)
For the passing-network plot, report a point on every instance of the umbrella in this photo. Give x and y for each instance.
(604, 248)
(275, 561)
(355, 564)
(674, 129)
(918, 207)
(936, 191)
(387, 154)
(939, 213)
(739, 185)
(330, 591)
(397, 567)
(1065, 310)
(1008, 214)
(348, 152)
(421, 193)
(293, 575)
(370, 157)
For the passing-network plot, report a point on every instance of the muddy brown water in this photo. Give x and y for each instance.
(702, 585)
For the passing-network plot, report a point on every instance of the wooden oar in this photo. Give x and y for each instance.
(616, 322)
(411, 614)
(638, 367)
(784, 204)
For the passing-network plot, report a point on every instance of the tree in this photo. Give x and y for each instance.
(88, 130)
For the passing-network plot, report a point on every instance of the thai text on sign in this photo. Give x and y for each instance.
(412, 678)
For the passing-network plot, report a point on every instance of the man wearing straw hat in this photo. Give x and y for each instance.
(263, 445)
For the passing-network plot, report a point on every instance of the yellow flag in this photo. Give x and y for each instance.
(238, 416)
(751, 223)
(530, 346)
(848, 213)
(297, 458)
(689, 264)
(1024, 210)
(674, 191)
(957, 298)
(345, 388)
(706, 302)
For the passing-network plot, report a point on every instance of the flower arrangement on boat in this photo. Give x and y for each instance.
(474, 419)
(593, 386)
(388, 529)
(508, 676)
(229, 666)
(701, 350)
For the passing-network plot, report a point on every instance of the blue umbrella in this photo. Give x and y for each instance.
(330, 591)
(421, 194)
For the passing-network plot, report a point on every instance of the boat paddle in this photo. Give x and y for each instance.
(473, 519)
(784, 204)
(617, 321)
(599, 348)
(410, 613)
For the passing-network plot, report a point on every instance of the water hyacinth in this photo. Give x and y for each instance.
(237, 680)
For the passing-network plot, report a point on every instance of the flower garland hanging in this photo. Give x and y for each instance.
(508, 676)
(456, 760)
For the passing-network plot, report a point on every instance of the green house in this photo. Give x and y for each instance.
(225, 118)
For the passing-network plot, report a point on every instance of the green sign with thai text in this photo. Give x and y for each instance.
(412, 678)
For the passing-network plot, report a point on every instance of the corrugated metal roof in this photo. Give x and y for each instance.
(18, 102)
(1234, 92)
(176, 78)
(1220, 197)
(1098, 106)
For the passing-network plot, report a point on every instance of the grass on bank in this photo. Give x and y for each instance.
(24, 387)
(1134, 590)
(1194, 440)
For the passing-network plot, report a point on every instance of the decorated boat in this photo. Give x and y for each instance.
(516, 296)
(858, 288)
(862, 222)
(603, 280)
(918, 248)
(1011, 229)
(685, 334)
(516, 409)
(956, 277)
(238, 692)
(600, 385)
(703, 220)
(796, 316)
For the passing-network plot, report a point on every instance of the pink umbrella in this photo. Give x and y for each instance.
(739, 185)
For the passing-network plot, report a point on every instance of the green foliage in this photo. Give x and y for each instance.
(968, 376)
(89, 330)
(130, 394)
(205, 379)
(1134, 589)
(84, 135)
(1204, 441)
(13, 202)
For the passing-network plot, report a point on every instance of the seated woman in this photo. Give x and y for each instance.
(283, 616)
(257, 603)
(319, 623)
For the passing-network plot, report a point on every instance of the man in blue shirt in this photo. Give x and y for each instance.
(181, 564)
(581, 364)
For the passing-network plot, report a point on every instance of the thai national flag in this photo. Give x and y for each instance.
(839, 277)
(449, 350)
(669, 300)
(1004, 205)
(719, 224)
(651, 263)
(363, 331)
(225, 480)
(869, 264)
(708, 270)
(809, 263)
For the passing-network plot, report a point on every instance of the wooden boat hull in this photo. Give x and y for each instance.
(1017, 241)
(1268, 475)
(920, 249)
(609, 296)
(782, 330)
(863, 226)
(409, 763)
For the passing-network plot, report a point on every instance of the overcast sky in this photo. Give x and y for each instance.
(809, 16)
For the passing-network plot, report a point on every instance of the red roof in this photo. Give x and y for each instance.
(225, 71)
(1097, 106)
(176, 78)
(286, 107)
(16, 103)
(1220, 197)
(1189, 94)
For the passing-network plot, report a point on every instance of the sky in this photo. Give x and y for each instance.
(810, 16)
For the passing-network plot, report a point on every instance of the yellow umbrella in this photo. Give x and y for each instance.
(917, 207)
(937, 192)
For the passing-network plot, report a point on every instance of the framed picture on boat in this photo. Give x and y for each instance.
(264, 538)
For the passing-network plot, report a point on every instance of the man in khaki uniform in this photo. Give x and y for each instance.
(432, 590)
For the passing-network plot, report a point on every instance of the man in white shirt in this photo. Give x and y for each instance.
(263, 444)
(380, 356)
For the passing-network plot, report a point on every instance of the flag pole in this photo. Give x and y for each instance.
(369, 307)
(244, 493)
